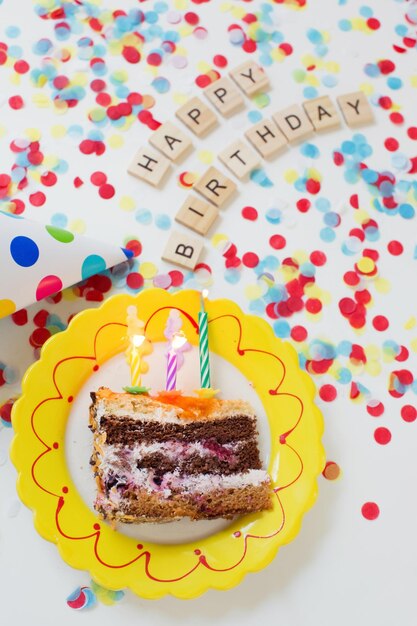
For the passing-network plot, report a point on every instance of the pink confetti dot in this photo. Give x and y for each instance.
(380, 323)
(382, 436)
(408, 413)
(106, 191)
(370, 510)
(21, 66)
(249, 213)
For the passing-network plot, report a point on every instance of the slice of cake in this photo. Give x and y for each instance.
(158, 459)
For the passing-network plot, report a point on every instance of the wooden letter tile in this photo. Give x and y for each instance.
(197, 214)
(182, 250)
(356, 109)
(197, 117)
(215, 186)
(266, 138)
(225, 96)
(171, 141)
(322, 113)
(250, 77)
(294, 123)
(149, 166)
(239, 159)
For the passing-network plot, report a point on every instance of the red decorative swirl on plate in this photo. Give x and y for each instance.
(146, 555)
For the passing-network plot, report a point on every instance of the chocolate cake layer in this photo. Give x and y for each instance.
(126, 431)
(247, 457)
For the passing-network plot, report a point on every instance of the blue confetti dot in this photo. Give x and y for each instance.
(143, 216)
(330, 80)
(348, 147)
(331, 219)
(310, 92)
(273, 216)
(406, 211)
(161, 85)
(394, 83)
(60, 220)
(310, 151)
(366, 11)
(24, 251)
(322, 204)
(92, 264)
(345, 25)
(163, 221)
(282, 329)
(232, 276)
(12, 32)
(254, 116)
(327, 234)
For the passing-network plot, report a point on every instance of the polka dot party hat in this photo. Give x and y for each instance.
(39, 260)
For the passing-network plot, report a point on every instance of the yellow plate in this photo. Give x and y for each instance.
(150, 569)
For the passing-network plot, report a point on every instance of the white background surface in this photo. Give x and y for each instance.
(341, 569)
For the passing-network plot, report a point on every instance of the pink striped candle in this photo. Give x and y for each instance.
(178, 340)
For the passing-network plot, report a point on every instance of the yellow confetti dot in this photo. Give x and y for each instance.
(7, 307)
(413, 345)
(58, 131)
(219, 239)
(34, 134)
(367, 89)
(366, 265)
(373, 368)
(203, 67)
(206, 156)
(253, 292)
(80, 79)
(382, 285)
(410, 323)
(290, 176)
(261, 100)
(77, 226)
(127, 203)
(115, 141)
(148, 270)
(148, 102)
(41, 100)
(50, 161)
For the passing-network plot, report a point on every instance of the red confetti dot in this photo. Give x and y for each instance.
(351, 279)
(408, 413)
(16, 102)
(396, 117)
(395, 248)
(375, 409)
(203, 80)
(106, 191)
(191, 18)
(41, 318)
(5, 180)
(154, 59)
(48, 179)
(373, 23)
(370, 510)
(250, 259)
(135, 246)
(135, 280)
(380, 322)
(37, 199)
(97, 85)
(98, 178)
(21, 66)
(391, 144)
(412, 132)
(286, 48)
(327, 393)
(131, 54)
(385, 102)
(249, 213)
(299, 333)
(38, 337)
(303, 205)
(177, 278)
(313, 305)
(318, 258)
(219, 60)
(278, 242)
(78, 182)
(249, 46)
(20, 317)
(347, 306)
(313, 186)
(382, 436)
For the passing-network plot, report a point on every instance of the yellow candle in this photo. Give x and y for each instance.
(138, 346)
(136, 354)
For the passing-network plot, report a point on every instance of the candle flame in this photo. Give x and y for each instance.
(137, 340)
(205, 293)
(178, 341)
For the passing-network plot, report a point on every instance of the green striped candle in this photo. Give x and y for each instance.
(204, 347)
